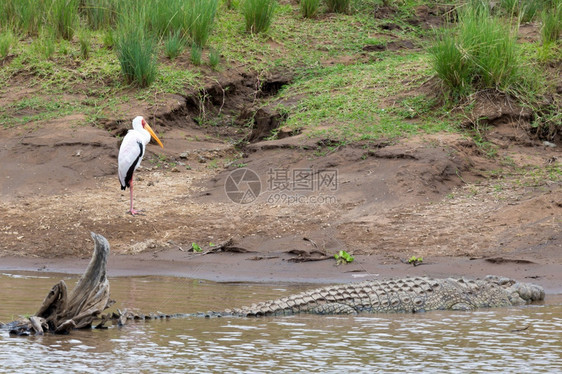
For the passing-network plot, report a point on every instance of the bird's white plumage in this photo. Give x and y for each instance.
(130, 150)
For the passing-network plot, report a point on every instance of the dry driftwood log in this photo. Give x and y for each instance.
(61, 312)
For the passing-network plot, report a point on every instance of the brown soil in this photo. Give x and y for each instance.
(429, 196)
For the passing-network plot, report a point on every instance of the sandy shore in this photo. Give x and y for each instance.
(276, 267)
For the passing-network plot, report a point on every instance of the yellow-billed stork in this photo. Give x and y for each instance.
(131, 153)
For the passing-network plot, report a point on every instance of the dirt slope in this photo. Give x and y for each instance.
(422, 196)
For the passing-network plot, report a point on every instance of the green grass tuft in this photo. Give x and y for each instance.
(196, 54)
(136, 48)
(309, 8)
(338, 6)
(7, 40)
(23, 16)
(85, 41)
(258, 14)
(64, 17)
(479, 52)
(214, 57)
(202, 20)
(551, 22)
(174, 45)
(44, 45)
(100, 14)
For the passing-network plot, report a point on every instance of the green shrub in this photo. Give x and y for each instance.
(214, 57)
(100, 14)
(230, 4)
(451, 64)
(136, 48)
(196, 53)
(258, 14)
(338, 6)
(526, 10)
(551, 22)
(510, 6)
(23, 16)
(44, 45)
(85, 41)
(7, 39)
(108, 38)
(167, 16)
(480, 52)
(202, 14)
(309, 8)
(64, 16)
(174, 45)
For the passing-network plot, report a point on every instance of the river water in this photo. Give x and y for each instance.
(436, 342)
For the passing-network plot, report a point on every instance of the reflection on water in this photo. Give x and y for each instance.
(432, 342)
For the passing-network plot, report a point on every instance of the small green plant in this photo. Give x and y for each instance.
(479, 53)
(309, 8)
(342, 257)
(108, 38)
(85, 41)
(415, 260)
(136, 49)
(214, 57)
(25, 17)
(174, 45)
(202, 19)
(196, 247)
(338, 6)
(528, 9)
(99, 14)
(258, 14)
(196, 53)
(551, 23)
(213, 164)
(45, 44)
(64, 16)
(230, 4)
(7, 39)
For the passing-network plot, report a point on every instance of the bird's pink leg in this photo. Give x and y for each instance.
(132, 211)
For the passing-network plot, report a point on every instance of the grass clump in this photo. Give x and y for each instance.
(100, 14)
(85, 41)
(64, 16)
(23, 16)
(174, 45)
(44, 45)
(309, 8)
(202, 20)
(194, 18)
(526, 10)
(551, 22)
(196, 54)
(479, 53)
(338, 6)
(214, 57)
(258, 14)
(136, 48)
(7, 39)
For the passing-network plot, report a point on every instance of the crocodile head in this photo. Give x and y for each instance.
(527, 292)
(519, 293)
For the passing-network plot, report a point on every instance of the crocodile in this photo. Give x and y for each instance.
(404, 295)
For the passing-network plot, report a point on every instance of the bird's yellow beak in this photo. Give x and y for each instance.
(147, 128)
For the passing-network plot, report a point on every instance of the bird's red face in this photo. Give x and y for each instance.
(147, 127)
